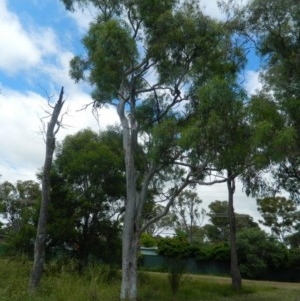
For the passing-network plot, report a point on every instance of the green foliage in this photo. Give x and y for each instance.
(100, 274)
(279, 214)
(268, 122)
(219, 218)
(218, 229)
(20, 208)
(222, 119)
(174, 247)
(189, 218)
(109, 8)
(274, 25)
(151, 10)
(259, 252)
(294, 239)
(213, 252)
(87, 189)
(179, 38)
(294, 257)
(147, 240)
(107, 61)
(287, 176)
(221, 252)
(195, 60)
(163, 140)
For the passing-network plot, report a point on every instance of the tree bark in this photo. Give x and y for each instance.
(39, 247)
(129, 267)
(130, 239)
(236, 280)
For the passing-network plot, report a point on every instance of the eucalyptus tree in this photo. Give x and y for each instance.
(189, 216)
(220, 129)
(274, 28)
(140, 57)
(217, 230)
(19, 208)
(281, 215)
(18, 205)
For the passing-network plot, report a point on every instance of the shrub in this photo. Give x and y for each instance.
(175, 249)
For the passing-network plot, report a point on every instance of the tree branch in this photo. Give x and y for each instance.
(177, 191)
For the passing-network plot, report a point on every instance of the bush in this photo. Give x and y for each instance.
(176, 271)
(259, 252)
(176, 250)
(215, 252)
(147, 240)
(175, 247)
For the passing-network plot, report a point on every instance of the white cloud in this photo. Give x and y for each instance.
(83, 16)
(23, 48)
(36, 50)
(45, 40)
(252, 82)
(22, 145)
(17, 50)
(211, 8)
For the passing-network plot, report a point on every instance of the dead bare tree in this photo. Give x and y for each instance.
(39, 247)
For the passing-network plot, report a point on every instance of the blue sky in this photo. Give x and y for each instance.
(38, 39)
(39, 22)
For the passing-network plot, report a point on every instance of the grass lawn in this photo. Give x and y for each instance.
(93, 285)
(211, 288)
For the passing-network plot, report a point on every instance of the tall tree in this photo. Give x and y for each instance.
(189, 215)
(129, 42)
(39, 247)
(218, 229)
(274, 28)
(87, 195)
(280, 215)
(19, 206)
(221, 125)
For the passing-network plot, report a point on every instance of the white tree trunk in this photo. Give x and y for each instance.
(129, 268)
(130, 239)
(135, 201)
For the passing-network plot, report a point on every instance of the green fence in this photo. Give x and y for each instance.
(157, 262)
(3, 248)
(218, 268)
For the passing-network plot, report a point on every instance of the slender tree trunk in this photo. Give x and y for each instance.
(236, 280)
(39, 247)
(130, 239)
(129, 269)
